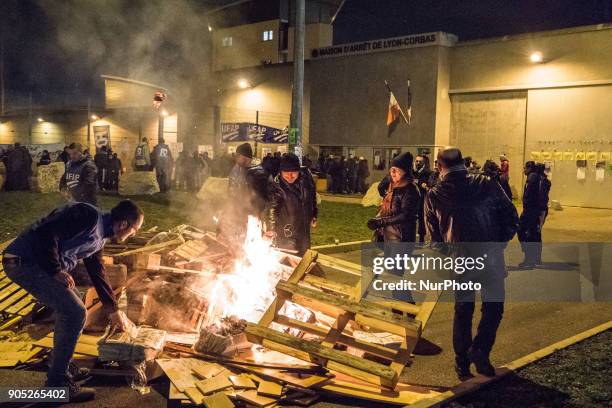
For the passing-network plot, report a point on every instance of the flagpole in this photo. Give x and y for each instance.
(401, 110)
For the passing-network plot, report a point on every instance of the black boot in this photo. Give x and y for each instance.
(482, 362)
(462, 368)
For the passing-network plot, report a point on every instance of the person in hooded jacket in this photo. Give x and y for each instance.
(469, 215)
(142, 156)
(162, 161)
(80, 178)
(292, 207)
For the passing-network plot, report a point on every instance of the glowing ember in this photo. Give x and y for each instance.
(248, 289)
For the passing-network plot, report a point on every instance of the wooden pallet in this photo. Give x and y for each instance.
(344, 305)
(15, 303)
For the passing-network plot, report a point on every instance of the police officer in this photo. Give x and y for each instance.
(162, 160)
(80, 176)
(530, 233)
(40, 260)
(293, 206)
(142, 156)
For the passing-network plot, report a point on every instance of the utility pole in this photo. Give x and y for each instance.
(30, 119)
(2, 73)
(297, 97)
(89, 123)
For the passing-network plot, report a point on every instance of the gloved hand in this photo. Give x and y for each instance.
(375, 223)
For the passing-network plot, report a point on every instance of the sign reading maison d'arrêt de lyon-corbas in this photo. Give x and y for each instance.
(388, 44)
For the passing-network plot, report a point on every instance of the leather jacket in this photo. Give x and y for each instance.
(464, 207)
(292, 206)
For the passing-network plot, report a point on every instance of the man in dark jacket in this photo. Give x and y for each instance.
(470, 214)
(80, 177)
(363, 172)
(293, 206)
(101, 162)
(535, 204)
(421, 176)
(18, 169)
(162, 161)
(45, 158)
(40, 260)
(115, 169)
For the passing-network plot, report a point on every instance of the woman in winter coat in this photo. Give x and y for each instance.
(397, 218)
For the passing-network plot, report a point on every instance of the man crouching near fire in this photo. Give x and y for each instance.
(40, 259)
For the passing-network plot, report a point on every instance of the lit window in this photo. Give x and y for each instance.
(227, 41)
(268, 35)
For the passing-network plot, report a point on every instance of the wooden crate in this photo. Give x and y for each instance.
(344, 305)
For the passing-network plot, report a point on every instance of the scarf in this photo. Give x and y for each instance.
(385, 206)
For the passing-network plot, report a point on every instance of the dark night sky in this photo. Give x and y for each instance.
(37, 59)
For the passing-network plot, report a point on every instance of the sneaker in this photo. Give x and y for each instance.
(76, 393)
(482, 362)
(77, 373)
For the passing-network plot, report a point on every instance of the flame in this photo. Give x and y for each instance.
(249, 288)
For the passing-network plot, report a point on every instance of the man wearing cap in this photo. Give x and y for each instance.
(293, 206)
(80, 178)
(248, 181)
(40, 260)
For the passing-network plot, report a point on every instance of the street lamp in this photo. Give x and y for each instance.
(94, 117)
(164, 113)
(536, 57)
(40, 120)
(243, 83)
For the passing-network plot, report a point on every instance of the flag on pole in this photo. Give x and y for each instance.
(394, 112)
(409, 103)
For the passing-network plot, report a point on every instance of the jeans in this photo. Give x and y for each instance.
(492, 312)
(70, 314)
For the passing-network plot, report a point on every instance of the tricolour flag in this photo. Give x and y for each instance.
(409, 102)
(393, 115)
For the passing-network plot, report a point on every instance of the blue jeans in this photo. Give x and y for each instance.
(70, 314)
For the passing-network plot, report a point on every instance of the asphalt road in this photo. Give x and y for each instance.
(527, 325)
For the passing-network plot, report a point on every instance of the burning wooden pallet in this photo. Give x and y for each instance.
(344, 305)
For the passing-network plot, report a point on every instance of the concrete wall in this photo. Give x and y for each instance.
(248, 48)
(579, 54)
(317, 36)
(349, 101)
(573, 120)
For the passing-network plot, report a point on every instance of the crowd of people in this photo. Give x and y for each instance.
(451, 204)
(344, 175)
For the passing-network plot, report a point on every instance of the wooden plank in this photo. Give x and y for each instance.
(214, 384)
(20, 305)
(303, 267)
(336, 287)
(14, 298)
(345, 362)
(349, 341)
(253, 398)
(269, 389)
(217, 400)
(207, 370)
(194, 395)
(278, 375)
(383, 318)
(364, 391)
(242, 381)
(339, 264)
(83, 345)
(427, 307)
(394, 304)
(9, 290)
(150, 248)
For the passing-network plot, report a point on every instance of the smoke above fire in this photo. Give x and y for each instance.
(162, 42)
